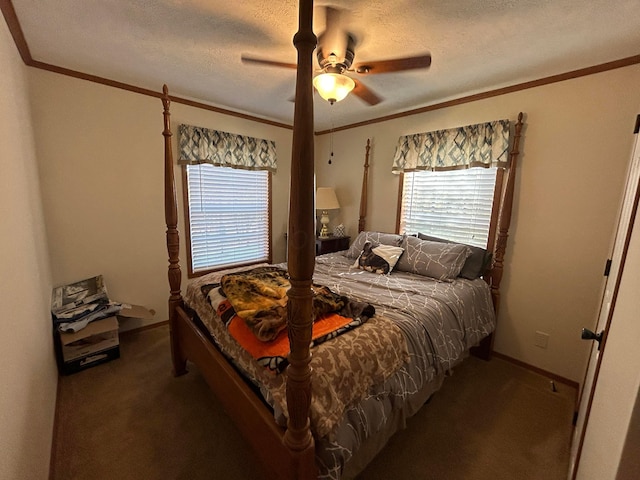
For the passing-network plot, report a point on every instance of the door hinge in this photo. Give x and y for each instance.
(637, 128)
(607, 267)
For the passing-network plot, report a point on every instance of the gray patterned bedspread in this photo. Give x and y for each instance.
(439, 321)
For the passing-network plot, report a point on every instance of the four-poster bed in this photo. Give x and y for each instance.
(261, 406)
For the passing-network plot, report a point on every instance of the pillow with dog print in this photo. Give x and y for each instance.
(378, 258)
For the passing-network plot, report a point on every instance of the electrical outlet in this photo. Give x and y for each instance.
(542, 339)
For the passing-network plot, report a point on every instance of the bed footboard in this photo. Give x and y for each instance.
(286, 454)
(251, 416)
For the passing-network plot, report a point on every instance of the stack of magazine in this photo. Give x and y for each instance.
(76, 305)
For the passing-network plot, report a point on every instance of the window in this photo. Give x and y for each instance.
(228, 217)
(451, 204)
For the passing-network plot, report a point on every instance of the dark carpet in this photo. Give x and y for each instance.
(131, 419)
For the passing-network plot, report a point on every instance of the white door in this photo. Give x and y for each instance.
(607, 306)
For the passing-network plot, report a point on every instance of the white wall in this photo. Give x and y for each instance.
(101, 155)
(575, 149)
(28, 376)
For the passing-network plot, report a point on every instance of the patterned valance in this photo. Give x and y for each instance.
(201, 145)
(481, 145)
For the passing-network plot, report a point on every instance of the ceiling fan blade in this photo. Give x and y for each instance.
(393, 65)
(269, 63)
(365, 93)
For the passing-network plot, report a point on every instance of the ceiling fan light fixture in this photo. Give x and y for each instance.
(333, 87)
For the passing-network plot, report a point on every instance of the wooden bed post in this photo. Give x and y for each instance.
(173, 239)
(494, 278)
(301, 255)
(504, 221)
(363, 194)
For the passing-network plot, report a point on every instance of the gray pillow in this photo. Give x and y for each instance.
(375, 237)
(477, 263)
(442, 261)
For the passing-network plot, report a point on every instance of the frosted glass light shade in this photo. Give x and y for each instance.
(333, 87)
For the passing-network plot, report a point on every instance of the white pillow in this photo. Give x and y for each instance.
(378, 258)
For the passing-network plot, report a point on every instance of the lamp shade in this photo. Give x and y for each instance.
(326, 199)
(333, 87)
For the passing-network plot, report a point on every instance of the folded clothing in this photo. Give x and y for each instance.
(93, 312)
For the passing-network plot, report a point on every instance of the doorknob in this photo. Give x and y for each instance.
(589, 335)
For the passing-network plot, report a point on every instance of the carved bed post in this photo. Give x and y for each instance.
(504, 221)
(301, 250)
(502, 216)
(173, 239)
(363, 194)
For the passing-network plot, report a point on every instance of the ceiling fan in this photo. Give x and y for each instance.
(335, 54)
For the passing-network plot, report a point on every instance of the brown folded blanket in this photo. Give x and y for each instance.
(259, 297)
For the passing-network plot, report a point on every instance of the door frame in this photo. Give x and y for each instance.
(625, 227)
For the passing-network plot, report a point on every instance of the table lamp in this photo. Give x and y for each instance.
(326, 200)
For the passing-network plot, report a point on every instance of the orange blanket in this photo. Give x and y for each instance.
(273, 355)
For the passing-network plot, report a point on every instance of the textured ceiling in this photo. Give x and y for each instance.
(194, 46)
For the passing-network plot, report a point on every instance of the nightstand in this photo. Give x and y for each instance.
(331, 244)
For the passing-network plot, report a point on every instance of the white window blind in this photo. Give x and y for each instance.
(228, 216)
(452, 204)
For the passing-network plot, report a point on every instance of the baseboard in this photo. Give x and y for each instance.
(540, 371)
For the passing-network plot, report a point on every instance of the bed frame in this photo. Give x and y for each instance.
(288, 453)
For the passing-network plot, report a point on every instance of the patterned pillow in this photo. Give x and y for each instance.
(376, 237)
(378, 258)
(477, 263)
(442, 261)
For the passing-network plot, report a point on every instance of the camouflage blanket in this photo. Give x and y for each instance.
(259, 297)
